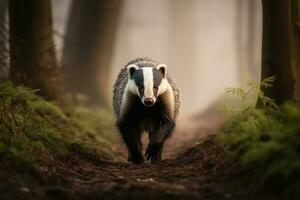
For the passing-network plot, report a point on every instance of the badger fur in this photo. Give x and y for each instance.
(145, 99)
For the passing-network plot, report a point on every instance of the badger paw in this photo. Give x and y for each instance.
(153, 152)
(136, 159)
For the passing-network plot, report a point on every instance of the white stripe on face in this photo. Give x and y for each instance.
(148, 82)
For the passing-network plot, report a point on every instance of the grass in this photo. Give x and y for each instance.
(266, 142)
(33, 130)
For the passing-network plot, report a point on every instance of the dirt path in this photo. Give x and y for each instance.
(188, 176)
(190, 132)
(190, 171)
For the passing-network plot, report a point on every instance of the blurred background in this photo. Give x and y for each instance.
(208, 45)
(72, 50)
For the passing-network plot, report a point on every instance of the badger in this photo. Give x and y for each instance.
(145, 99)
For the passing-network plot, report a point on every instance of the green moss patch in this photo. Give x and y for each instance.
(33, 130)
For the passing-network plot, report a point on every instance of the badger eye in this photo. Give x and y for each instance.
(155, 87)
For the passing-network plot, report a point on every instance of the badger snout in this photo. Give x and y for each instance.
(149, 101)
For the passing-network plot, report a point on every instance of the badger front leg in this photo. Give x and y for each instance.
(134, 146)
(154, 151)
(132, 139)
(157, 137)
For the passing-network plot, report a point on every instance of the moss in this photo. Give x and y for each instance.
(268, 145)
(95, 120)
(47, 109)
(33, 130)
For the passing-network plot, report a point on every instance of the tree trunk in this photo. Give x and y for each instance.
(4, 53)
(240, 46)
(33, 60)
(295, 44)
(252, 27)
(280, 48)
(88, 48)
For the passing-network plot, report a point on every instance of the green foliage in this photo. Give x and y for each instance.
(266, 141)
(33, 130)
(252, 89)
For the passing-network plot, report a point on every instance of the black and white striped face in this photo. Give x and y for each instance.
(147, 82)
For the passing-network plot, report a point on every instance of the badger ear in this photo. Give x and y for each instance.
(162, 68)
(131, 69)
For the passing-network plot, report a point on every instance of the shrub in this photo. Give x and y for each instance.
(266, 141)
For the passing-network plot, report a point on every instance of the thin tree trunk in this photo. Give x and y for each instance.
(239, 31)
(277, 52)
(33, 59)
(252, 29)
(88, 47)
(4, 54)
(295, 44)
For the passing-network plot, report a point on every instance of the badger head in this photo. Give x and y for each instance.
(147, 82)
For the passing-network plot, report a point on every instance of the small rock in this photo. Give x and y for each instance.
(25, 189)
(179, 187)
(146, 180)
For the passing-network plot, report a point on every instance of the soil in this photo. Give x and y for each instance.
(193, 168)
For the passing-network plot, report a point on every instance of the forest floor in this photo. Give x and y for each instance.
(193, 167)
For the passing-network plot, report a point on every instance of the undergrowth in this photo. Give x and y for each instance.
(265, 141)
(33, 130)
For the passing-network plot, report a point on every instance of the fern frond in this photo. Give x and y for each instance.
(235, 91)
(268, 82)
(269, 104)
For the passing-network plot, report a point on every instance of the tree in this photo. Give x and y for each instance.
(88, 47)
(4, 54)
(33, 59)
(239, 33)
(280, 48)
(252, 27)
(247, 15)
(295, 43)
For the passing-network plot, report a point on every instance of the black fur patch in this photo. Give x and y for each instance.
(138, 78)
(157, 77)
